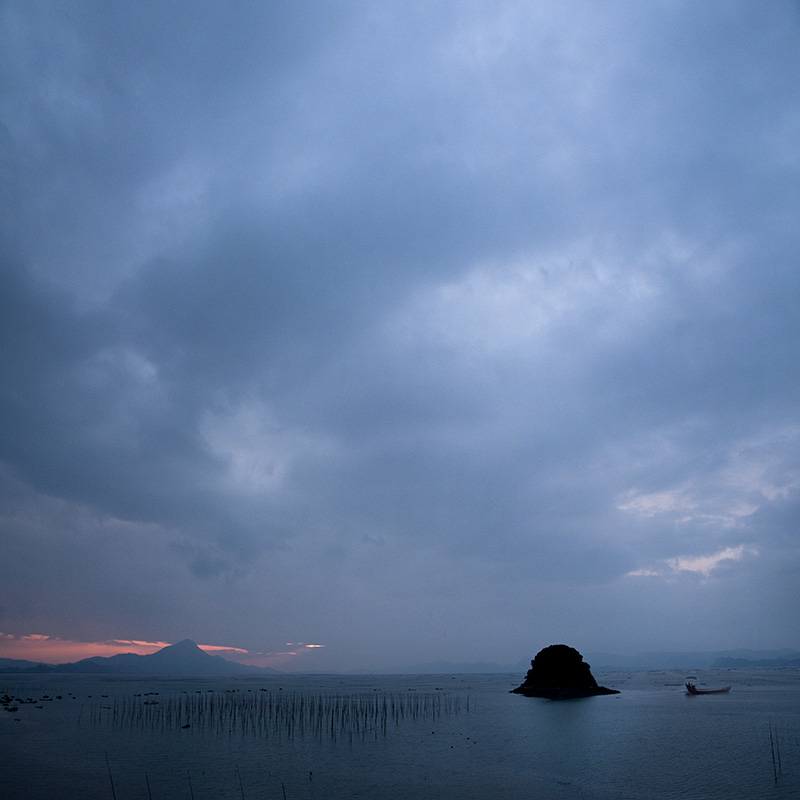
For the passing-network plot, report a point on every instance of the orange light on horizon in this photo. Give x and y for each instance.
(53, 650)
(41, 648)
(136, 643)
(221, 647)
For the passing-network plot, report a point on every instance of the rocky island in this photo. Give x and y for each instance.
(559, 673)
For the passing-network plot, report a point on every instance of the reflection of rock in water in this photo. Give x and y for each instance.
(559, 672)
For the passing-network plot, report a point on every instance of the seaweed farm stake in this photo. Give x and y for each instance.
(772, 748)
(239, 776)
(287, 716)
(111, 778)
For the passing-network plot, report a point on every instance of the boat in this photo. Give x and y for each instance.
(691, 687)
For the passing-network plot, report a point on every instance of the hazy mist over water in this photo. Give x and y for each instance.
(408, 736)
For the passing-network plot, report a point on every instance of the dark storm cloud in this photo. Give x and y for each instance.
(356, 315)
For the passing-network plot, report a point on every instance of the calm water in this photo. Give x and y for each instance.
(403, 737)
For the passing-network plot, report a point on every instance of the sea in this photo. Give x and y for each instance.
(405, 737)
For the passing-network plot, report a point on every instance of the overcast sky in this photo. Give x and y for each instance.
(421, 331)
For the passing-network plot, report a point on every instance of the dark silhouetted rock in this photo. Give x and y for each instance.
(559, 673)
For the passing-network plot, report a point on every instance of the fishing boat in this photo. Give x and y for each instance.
(691, 687)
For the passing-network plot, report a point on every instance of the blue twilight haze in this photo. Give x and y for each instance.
(421, 331)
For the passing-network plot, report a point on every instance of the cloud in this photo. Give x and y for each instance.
(54, 650)
(704, 565)
(384, 310)
(658, 503)
(646, 572)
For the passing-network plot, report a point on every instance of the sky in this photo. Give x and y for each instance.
(362, 335)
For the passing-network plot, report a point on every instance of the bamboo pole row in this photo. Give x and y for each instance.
(275, 713)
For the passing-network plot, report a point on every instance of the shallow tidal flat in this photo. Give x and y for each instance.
(268, 713)
(409, 737)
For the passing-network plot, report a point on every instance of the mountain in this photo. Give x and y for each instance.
(607, 662)
(183, 658)
(790, 660)
(17, 665)
(186, 658)
(716, 659)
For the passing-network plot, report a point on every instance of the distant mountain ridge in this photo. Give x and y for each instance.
(182, 658)
(715, 659)
(186, 658)
(745, 663)
(17, 665)
(459, 668)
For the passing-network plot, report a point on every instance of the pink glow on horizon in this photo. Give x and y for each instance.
(46, 649)
(217, 648)
(281, 660)
(52, 650)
